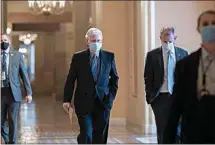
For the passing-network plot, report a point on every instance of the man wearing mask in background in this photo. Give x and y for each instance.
(97, 85)
(194, 90)
(158, 75)
(12, 69)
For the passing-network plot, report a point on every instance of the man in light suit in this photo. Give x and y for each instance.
(194, 90)
(158, 75)
(12, 69)
(97, 85)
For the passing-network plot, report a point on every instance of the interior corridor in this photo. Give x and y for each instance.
(44, 121)
(130, 29)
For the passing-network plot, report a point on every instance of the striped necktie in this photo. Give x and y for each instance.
(94, 67)
(4, 69)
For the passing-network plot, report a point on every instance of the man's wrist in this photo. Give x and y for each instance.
(29, 96)
(66, 101)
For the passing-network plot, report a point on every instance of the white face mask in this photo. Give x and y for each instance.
(168, 46)
(95, 46)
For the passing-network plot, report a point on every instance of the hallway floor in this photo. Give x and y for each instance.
(44, 121)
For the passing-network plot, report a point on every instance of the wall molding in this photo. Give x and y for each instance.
(117, 121)
(144, 128)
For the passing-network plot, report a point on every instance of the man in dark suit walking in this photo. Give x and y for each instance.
(194, 90)
(12, 69)
(158, 75)
(97, 85)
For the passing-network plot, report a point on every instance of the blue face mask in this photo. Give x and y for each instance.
(208, 34)
(95, 46)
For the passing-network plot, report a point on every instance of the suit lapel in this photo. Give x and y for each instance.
(160, 60)
(194, 70)
(87, 57)
(101, 64)
(177, 54)
(11, 53)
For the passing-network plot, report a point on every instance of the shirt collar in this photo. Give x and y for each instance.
(168, 50)
(92, 54)
(6, 51)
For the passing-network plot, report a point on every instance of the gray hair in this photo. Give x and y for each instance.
(169, 29)
(93, 31)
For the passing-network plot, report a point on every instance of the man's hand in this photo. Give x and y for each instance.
(70, 114)
(28, 99)
(66, 106)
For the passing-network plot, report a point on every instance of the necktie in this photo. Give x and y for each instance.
(171, 67)
(94, 67)
(4, 69)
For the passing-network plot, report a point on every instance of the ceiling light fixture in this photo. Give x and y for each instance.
(27, 38)
(46, 7)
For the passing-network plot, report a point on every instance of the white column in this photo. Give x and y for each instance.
(141, 28)
(136, 114)
(96, 13)
(152, 46)
(148, 35)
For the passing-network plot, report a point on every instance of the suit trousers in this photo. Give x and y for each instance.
(94, 126)
(160, 107)
(11, 107)
(206, 120)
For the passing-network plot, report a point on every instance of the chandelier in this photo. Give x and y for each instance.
(46, 7)
(8, 30)
(27, 38)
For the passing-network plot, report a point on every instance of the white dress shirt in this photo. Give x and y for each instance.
(164, 87)
(210, 74)
(7, 62)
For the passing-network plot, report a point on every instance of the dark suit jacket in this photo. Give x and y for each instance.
(185, 101)
(17, 69)
(105, 88)
(154, 71)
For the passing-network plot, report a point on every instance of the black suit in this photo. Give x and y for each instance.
(154, 78)
(187, 105)
(92, 100)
